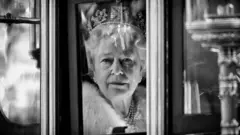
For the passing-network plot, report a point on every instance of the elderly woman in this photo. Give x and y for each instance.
(116, 59)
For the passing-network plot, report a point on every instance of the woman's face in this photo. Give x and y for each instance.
(117, 70)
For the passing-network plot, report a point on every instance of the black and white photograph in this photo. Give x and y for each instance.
(119, 67)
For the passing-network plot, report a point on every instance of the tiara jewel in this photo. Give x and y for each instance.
(100, 17)
(120, 12)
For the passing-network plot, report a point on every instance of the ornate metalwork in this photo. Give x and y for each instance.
(222, 32)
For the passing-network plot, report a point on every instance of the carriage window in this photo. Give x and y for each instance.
(112, 42)
(19, 67)
(204, 43)
(210, 57)
(201, 71)
(201, 87)
(18, 8)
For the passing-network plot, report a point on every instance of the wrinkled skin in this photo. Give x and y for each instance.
(117, 71)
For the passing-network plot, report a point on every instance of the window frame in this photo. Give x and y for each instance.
(3, 19)
(155, 68)
(47, 22)
(52, 67)
(44, 67)
(181, 123)
(48, 67)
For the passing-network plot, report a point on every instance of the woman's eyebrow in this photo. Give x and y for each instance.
(106, 54)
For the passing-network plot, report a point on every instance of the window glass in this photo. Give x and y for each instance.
(216, 133)
(19, 71)
(19, 79)
(114, 75)
(200, 78)
(18, 8)
(208, 22)
(201, 87)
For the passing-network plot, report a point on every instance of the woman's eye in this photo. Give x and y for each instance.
(107, 60)
(127, 62)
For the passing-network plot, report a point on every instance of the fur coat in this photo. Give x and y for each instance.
(100, 118)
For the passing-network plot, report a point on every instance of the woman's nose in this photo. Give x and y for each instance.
(116, 68)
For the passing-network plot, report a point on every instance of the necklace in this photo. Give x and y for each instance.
(130, 118)
(131, 113)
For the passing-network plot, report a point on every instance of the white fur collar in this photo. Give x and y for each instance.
(98, 115)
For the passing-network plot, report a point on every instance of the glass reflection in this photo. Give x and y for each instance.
(201, 86)
(199, 10)
(201, 70)
(114, 41)
(215, 24)
(18, 8)
(20, 80)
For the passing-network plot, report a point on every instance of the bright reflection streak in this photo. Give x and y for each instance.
(3, 36)
(2, 92)
(20, 86)
(215, 50)
(21, 98)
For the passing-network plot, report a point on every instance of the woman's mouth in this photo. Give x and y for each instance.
(118, 85)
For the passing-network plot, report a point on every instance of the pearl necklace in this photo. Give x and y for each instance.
(130, 119)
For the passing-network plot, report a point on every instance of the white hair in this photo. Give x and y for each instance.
(126, 35)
